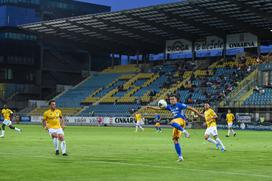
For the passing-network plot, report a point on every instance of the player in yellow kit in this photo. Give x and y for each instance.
(53, 122)
(210, 119)
(230, 118)
(139, 121)
(7, 113)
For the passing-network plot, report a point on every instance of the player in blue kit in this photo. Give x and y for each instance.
(157, 121)
(178, 122)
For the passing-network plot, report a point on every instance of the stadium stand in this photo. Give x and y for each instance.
(73, 96)
(211, 85)
(118, 90)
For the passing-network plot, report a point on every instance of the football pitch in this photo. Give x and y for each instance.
(117, 154)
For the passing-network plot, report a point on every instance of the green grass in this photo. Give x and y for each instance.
(117, 154)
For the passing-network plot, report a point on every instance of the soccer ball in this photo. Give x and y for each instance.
(162, 104)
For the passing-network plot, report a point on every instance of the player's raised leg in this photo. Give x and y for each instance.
(14, 128)
(174, 123)
(218, 140)
(209, 139)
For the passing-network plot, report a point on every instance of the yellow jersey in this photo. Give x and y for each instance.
(138, 117)
(52, 118)
(6, 114)
(208, 115)
(230, 117)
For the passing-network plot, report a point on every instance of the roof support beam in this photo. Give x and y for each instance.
(237, 23)
(256, 11)
(144, 34)
(119, 39)
(91, 41)
(165, 28)
(131, 45)
(205, 28)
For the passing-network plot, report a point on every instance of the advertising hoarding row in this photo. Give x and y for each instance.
(241, 40)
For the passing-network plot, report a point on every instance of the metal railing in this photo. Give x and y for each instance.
(244, 86)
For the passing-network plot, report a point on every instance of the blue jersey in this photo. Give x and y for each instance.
(157, 118)
(177, 110)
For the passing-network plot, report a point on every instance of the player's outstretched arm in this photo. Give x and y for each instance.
(153, 107)
(195, 111)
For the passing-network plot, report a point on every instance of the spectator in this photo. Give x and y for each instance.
(249, 69)
(190, 100)
(256, 89)
(138, 100)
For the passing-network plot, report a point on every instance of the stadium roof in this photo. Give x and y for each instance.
(147, 29)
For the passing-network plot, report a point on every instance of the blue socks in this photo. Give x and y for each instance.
(178, 149)
(177, 126)
(158, 128)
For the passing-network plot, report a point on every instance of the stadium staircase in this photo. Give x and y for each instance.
(259, 98)
(240, 96)
(134, 85)
(241, 92)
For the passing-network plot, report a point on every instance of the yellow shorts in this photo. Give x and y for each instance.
(176, 134)
(158, 124)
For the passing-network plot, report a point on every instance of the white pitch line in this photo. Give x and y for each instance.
(177, 168)
(155, 166)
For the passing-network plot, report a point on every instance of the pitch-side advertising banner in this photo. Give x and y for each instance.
(92, 120)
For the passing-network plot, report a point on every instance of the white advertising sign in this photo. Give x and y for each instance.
(241, 40)
(209, 43)
(178, 46)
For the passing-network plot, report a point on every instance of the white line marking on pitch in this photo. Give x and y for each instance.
(176, 168)
(155, 166)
